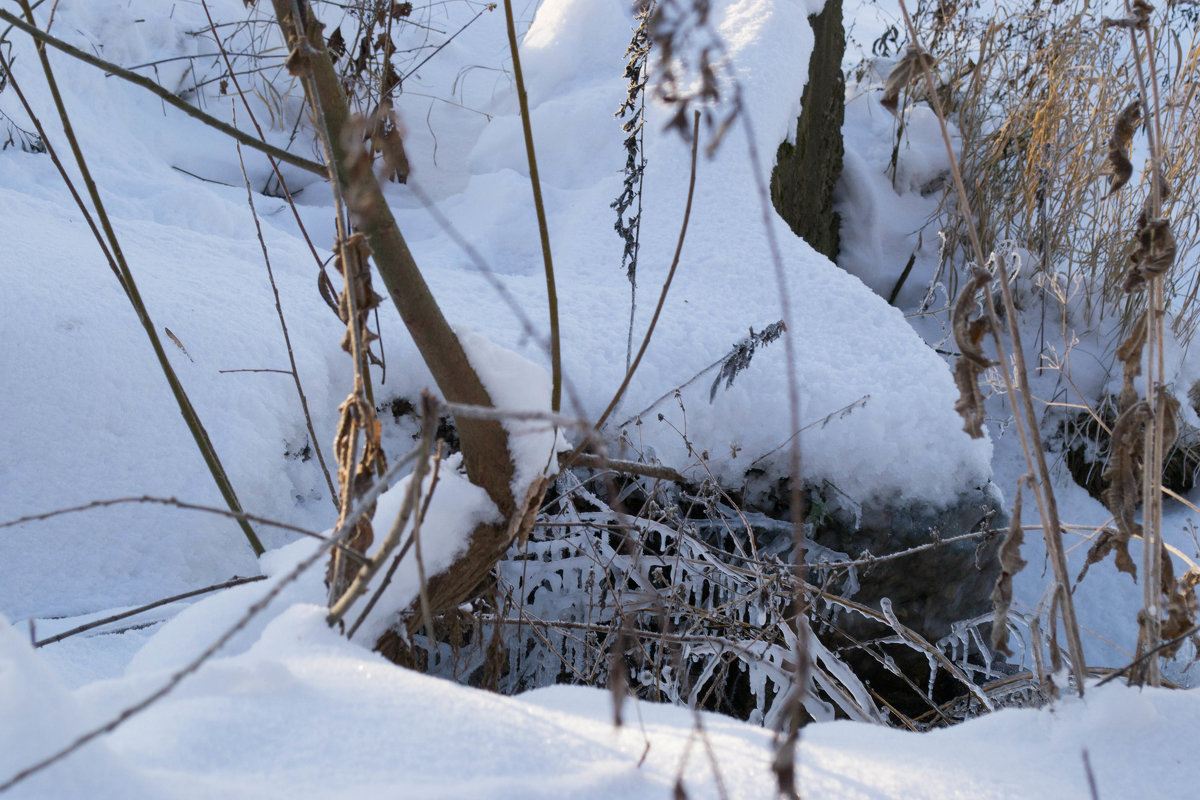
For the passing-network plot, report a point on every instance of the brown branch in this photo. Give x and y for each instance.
(539, 206)
(485, 442)
(186, 410)
(657, 471)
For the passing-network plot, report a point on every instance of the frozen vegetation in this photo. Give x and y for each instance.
(289, 707)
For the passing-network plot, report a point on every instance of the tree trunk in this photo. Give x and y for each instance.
(485, 444)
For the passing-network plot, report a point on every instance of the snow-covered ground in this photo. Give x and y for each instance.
(288, 708)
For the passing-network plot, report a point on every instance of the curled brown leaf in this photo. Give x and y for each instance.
(912, 64)
(1129, 353)
(968, 333)
(1010, 564)
(1123, 472)
(1109, 541)
(1120, 167)
(1138, 20)
(1154, 251)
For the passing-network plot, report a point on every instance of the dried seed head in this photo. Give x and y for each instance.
(1153, 253)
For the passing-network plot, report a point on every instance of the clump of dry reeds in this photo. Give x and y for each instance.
(1049, 104)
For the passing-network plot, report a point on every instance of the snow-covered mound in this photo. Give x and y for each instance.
(87, 412)
(299, 712)
(851, 347)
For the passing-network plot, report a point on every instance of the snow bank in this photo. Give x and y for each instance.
(515, 384)
(299, 712)
(455, 508)
(40, 717)
(852, 348)
(90, 414)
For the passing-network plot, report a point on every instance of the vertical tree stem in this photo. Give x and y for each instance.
(185, 405)
(543, 228)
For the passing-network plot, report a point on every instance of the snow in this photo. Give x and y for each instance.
(289, 708)
(517, 385)
(301, 712)
(453, 511)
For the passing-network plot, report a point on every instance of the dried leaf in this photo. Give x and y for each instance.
(327, 292)
(178, 344)
(336, 45)
(1155, 251)
(1109, 541)
(968, 334)
(1123, 472)
(1138, 20)
(1121, 168)
(1180, 604)
(1170, 412)
(945, 11)
(385, 133)
(1129, 353)
(1010, 564)
(359, 432)
(912, 64)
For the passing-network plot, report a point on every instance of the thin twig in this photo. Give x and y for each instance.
(287, 339)
(199, 434)
(261, 135)
(343, 531)
(163, 94)
(786, 753)
(657, 471)
(539, 206)
(662, 297)
(148, 607)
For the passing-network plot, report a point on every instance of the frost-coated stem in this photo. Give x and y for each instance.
(1153, 445)
(1152, 457)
